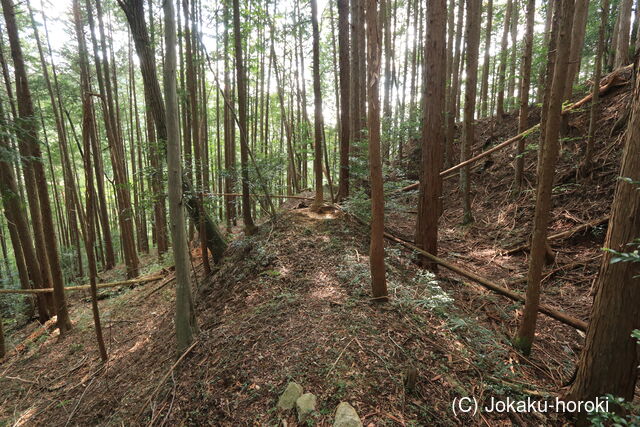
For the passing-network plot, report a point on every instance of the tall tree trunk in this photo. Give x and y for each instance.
(68, 178)
(88, 133)
(525, 84)
(31, 195)
(376, 247)
(609, 360)
(511, 87)
(473, 45)
(503, 60)
(153, 96)
(526, 331)
(186, 326)
(249, 226)
(484, 85)
(194, 131)
(455, 83)
(116, 145)
(585, 167)
(613, 45)
(433, 99)
(28, 136)
(317, 101)
(345, 99)
(577, 44)
(622, 46)
(545, 43)
(134, 13)
(229, 132)
(16, 214)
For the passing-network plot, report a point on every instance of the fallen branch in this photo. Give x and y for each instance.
(549, 311)
(613, 81)
(563, 235)
(564, 267)
(164, 378)
(83, 287)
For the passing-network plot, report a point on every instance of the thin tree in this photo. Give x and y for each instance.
(585, 166)
(345, 100)
(526, 331)
(622, 46)
(87, 223)
(577, 44)
(434, 87)
(609, 360)
(28, 136)
(185, 315)
(23, 249)
(471, 84)
(317, 101)
(241, 80)
(525, 85)
(503, 60)
(26, 166)
(376, 247)
(455, 83)
(110, 113)
(484, 85)
(134, 12)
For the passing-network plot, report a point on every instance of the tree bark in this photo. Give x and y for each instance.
(526, 332)
(116, 145)
(525, 85)
(484, 88)
(434, 88)
(345, 99)
(28, 136)
(577, 44)
(249, 226)
(26, 260)
(585, 167)
(186, 326)
(503, 60)
(376, 247)
(609, 360)
(317, 101)
(473, 45)
(622, 46)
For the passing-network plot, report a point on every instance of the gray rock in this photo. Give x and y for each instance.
(346, 416)
(305, 405)
(288, 398)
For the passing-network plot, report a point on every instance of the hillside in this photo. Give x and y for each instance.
(291, 303)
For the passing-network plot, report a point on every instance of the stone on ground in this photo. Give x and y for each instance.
(288, 398)
(305, 405)
(346, 416)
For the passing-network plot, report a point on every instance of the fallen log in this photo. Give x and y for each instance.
(549, 311)
(562, 235)
(83, 287)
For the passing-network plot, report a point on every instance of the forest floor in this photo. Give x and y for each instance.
(291, 303)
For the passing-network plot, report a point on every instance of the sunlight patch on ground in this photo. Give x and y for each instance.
(326, 290)
(326, 212)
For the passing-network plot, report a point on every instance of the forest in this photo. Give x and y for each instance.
(320, 212)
